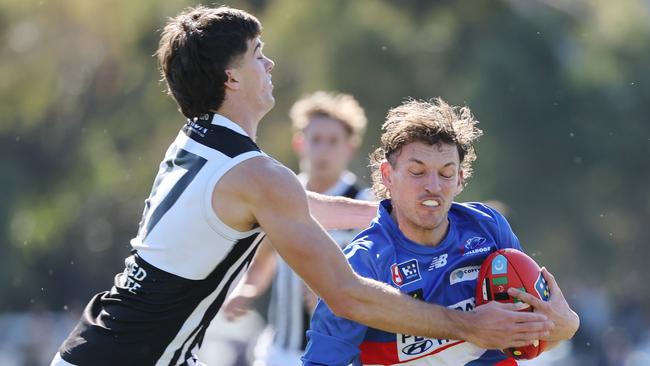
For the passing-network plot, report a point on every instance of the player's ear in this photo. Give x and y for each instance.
(461, 182)
(232, 81)
(298, 143)
(386, 173)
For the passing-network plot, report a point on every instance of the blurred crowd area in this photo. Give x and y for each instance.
(561, 89)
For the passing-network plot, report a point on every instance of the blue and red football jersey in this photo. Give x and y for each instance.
(445, 275)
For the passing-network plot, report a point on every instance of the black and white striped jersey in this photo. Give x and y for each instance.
(288, 315)
(183, 263)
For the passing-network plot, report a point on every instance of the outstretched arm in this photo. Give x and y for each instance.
(256, 280)
(335, 212)
(281, 210)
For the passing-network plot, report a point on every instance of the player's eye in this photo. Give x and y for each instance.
(448, 174)
(416, 173)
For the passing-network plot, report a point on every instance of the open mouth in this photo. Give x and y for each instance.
(431, 203)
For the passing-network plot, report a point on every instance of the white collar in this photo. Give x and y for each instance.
(220, 120)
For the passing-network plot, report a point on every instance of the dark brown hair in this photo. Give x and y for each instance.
(196, 47)
(432, 122)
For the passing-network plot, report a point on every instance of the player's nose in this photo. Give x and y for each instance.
(270, 64)
(432, 184)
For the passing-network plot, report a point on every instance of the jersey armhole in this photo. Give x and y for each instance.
(210, 216)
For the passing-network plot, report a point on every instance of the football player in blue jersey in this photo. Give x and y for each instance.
(426, 245)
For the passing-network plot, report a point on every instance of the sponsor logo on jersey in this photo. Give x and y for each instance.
(469, 273)
(464, 305)
(196, 127)
(542, 287)
(438, 262)
(499, 265)
(418, 347)
(132, 276)
(405, 272)
(474, 246)
(411, 347)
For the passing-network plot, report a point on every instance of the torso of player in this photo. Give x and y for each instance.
(178, 219)
(445, 275)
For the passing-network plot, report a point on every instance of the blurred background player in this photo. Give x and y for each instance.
(425, 244)
(328, 130)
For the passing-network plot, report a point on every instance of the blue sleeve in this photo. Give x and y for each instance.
(335, 341)
(507, 238)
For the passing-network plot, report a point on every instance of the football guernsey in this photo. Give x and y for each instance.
(183, 262)
(445, 274)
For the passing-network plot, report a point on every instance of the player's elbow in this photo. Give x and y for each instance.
(345, 303)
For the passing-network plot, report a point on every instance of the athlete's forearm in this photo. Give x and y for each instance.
(341, 212)
(491, 326)
(383, 307)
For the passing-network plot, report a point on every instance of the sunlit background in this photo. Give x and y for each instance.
(561, 88)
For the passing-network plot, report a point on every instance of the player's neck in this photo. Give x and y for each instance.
(422, 236)
(321, 184)
(246, 118)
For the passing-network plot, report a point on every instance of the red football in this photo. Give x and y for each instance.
(507, 268)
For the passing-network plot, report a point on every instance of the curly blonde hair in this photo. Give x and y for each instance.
(341, 107)
(432, 122)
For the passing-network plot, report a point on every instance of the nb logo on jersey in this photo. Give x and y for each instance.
(438, 262)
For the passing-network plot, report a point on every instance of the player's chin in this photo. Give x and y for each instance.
(429, 222)
(269, 102)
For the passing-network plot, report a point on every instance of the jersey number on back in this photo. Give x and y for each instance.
(176, 172)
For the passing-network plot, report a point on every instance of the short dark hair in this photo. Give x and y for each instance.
(196, 47)
(431, 122)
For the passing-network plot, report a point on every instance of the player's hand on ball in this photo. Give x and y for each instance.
(556, 308)
(497, 325)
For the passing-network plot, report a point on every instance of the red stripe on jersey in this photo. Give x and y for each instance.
(385, 353)
(507, 362)
(378, 353)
